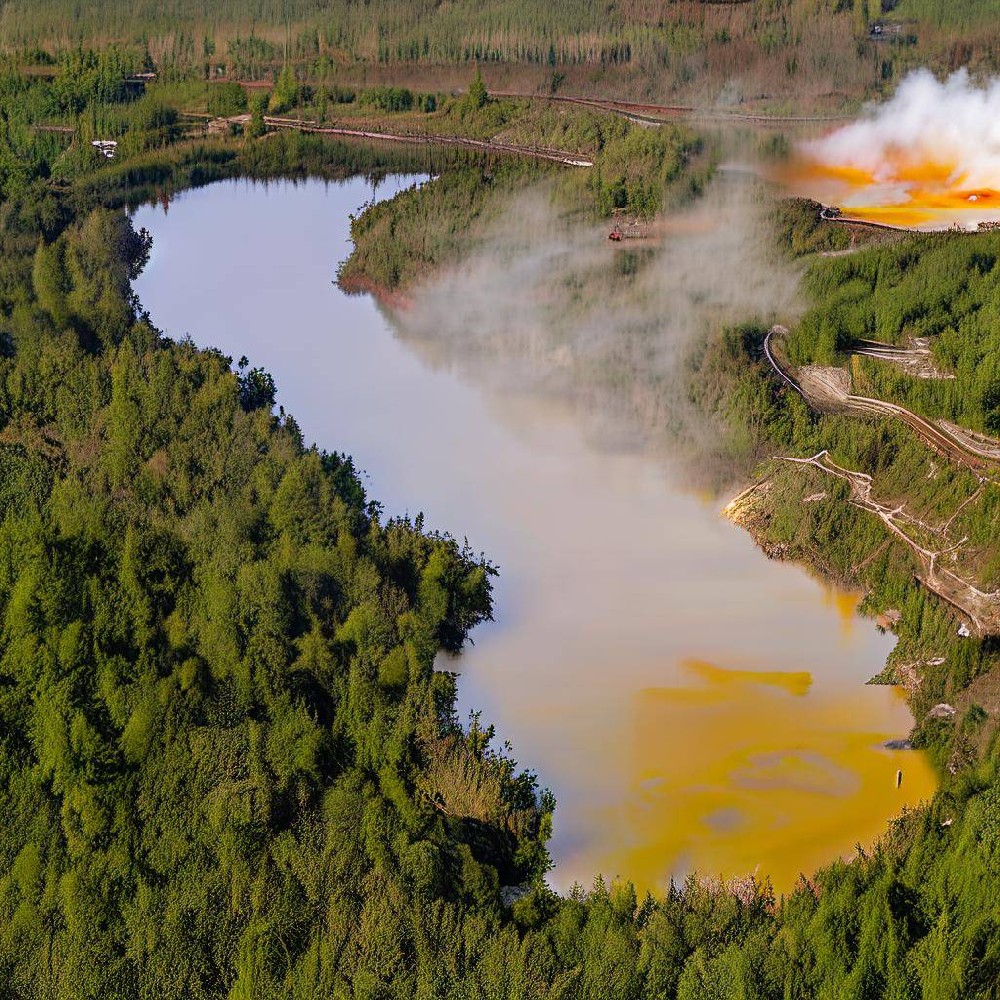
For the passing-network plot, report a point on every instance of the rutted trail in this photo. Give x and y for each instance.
(536, 152)
(637, 111)
(915, 360)
(563, 156)
(826, 389)
(982, 608)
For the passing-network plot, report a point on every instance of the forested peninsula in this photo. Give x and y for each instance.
(229, 768)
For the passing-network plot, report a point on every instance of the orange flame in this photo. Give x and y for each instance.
(907, 189)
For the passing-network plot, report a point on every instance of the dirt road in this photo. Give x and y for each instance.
(915, 360)
(981, 608)
(654, 113)
(563, 156)
(826, 389)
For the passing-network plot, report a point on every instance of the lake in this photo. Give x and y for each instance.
(691, 704)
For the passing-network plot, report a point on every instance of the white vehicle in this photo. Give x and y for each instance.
(106, 147)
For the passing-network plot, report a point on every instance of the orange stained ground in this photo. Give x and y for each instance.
(906, 190)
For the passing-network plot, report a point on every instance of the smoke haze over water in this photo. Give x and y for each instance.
(928, 158)
(633, 623)
(552, 307)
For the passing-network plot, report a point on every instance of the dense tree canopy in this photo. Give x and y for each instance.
(228, 767)
(769, 51)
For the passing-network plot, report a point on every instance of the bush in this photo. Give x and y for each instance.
(391, 100)
(226, 99)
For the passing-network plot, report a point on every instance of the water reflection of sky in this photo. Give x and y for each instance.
(689, 702)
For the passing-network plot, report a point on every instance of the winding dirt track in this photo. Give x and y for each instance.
(419, 138)
(916, 360)
(824, 389)
(651, 112)
(826, 394)
(981, 608)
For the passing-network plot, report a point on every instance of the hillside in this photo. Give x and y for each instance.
(227, 765)
(774, 54)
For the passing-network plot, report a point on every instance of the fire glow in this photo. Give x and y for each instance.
(929, 158)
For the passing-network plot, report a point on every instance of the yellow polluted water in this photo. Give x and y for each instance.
(692, 704)
(845, 603)
(743, 771)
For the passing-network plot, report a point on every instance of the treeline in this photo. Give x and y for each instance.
(47, 133)
(47, 124)
(229, 768)
(779, 50)
(225, 753)
(565, 31)
(227, 765)
(971, 14)
(635, 170)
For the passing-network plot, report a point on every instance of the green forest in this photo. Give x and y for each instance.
(942, 287)
(777, 53)
(227, 766)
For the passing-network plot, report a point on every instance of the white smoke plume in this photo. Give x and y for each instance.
(928, 157)
(551, 307)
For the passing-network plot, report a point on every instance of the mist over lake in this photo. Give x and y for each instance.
(691, 704)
